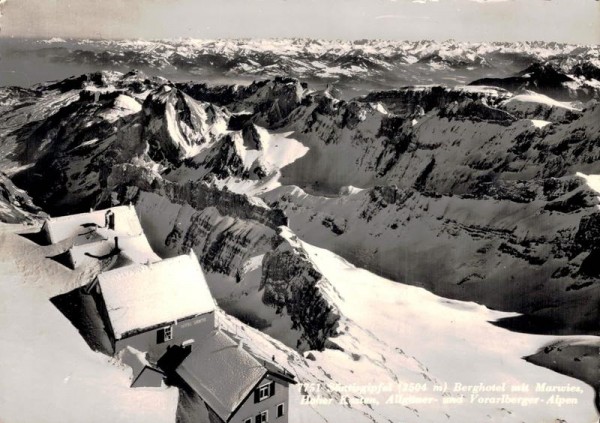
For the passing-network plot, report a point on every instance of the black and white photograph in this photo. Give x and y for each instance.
(300, 211)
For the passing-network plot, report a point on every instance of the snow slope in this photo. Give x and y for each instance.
(532, 104)
(273, 151)
(593, 181)
(396, 335)
(444, 335)
(532, 99)
(49, 373)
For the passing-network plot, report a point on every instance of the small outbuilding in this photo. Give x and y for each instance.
(144, 374)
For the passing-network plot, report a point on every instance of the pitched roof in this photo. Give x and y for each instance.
(140, 296)
(222, 373)
(61, 228)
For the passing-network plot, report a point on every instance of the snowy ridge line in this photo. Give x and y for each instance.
(197, 194)
(292, 45)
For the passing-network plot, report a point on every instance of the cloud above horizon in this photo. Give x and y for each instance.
(573, 21)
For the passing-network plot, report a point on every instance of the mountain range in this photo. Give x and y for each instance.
(357, 66)
(480, 192)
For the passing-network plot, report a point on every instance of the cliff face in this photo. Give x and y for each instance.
(176, 127)
(455, 148)
(197, 194)
(16, 206)
(291, 283)
(417, 100)
(225, 244)
(267, 103)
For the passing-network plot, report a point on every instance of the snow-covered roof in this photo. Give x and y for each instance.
(81, 253)
(61, 228)
(221, 372)
(138, 249)
(140, 296)
(135, 249)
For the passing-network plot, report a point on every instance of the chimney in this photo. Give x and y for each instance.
(241, 345)
(117, 243)
(188, 344)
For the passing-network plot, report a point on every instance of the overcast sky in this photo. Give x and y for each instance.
(471, 20)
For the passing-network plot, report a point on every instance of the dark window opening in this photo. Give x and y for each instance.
(164, 334)
(263, 417)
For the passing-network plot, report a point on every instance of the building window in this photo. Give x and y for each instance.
(164, 334)
(263, 392)
(264, 417)
(280, 410)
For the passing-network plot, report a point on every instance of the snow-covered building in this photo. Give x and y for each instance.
(124, 222)
(102, 234)
(152, 306)
(236, 385)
